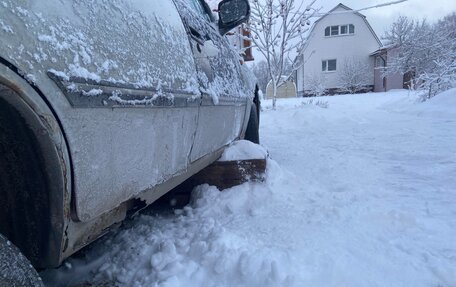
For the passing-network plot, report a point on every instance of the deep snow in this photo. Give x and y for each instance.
(361, 192)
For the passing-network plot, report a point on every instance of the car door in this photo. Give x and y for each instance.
(224, 93)
(121, 78)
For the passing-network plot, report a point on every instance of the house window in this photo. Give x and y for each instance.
(339, 30)
(328, 65)
(380, 62)
(344, 29)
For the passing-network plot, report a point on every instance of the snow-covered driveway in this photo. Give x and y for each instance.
(361, 193)
(378, 173)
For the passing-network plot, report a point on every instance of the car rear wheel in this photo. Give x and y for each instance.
(25, 211)
(252, 133)
(15, 269)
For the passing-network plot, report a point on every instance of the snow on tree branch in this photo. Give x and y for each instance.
(426, 52)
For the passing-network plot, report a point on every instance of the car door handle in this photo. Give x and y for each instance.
(197, 36)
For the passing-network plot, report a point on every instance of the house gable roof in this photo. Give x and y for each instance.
(340, 5)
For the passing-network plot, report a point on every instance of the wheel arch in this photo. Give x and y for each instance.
(27, 110)
(252, 118)
(257, 101)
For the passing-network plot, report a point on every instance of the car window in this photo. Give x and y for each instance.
(197, 7)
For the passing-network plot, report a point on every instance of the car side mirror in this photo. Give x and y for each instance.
(232, 13)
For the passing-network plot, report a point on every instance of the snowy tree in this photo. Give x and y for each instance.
(416, 46)
(442, 76)
(354, 76)
(400, 31)
(260, 70)
(277, 29)
(288, 68)
(448, 24)
(426, 51)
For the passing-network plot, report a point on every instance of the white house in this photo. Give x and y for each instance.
(340, 37)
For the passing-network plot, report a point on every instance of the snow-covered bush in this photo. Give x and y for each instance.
(318, 103)
(441, 78)
(354, 76)
(316, 86)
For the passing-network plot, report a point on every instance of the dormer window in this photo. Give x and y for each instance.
(344, 29)
(339, 30)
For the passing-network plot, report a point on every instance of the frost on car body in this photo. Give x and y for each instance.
(117, 86)
(85, 45)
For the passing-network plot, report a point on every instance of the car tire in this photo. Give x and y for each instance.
(24, 198)
(15, 268)
(252, 132)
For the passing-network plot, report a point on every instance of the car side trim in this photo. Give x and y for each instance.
(223, 101)
(86, 93)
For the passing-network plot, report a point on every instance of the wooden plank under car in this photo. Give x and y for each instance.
(222, 174)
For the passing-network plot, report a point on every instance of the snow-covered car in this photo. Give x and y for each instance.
(107, 105)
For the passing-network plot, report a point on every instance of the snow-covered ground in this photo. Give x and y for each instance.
(360, 191)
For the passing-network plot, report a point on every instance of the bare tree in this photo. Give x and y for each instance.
(277, 28)
(354, 76)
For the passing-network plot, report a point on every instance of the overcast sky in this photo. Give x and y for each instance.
(381, 18)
